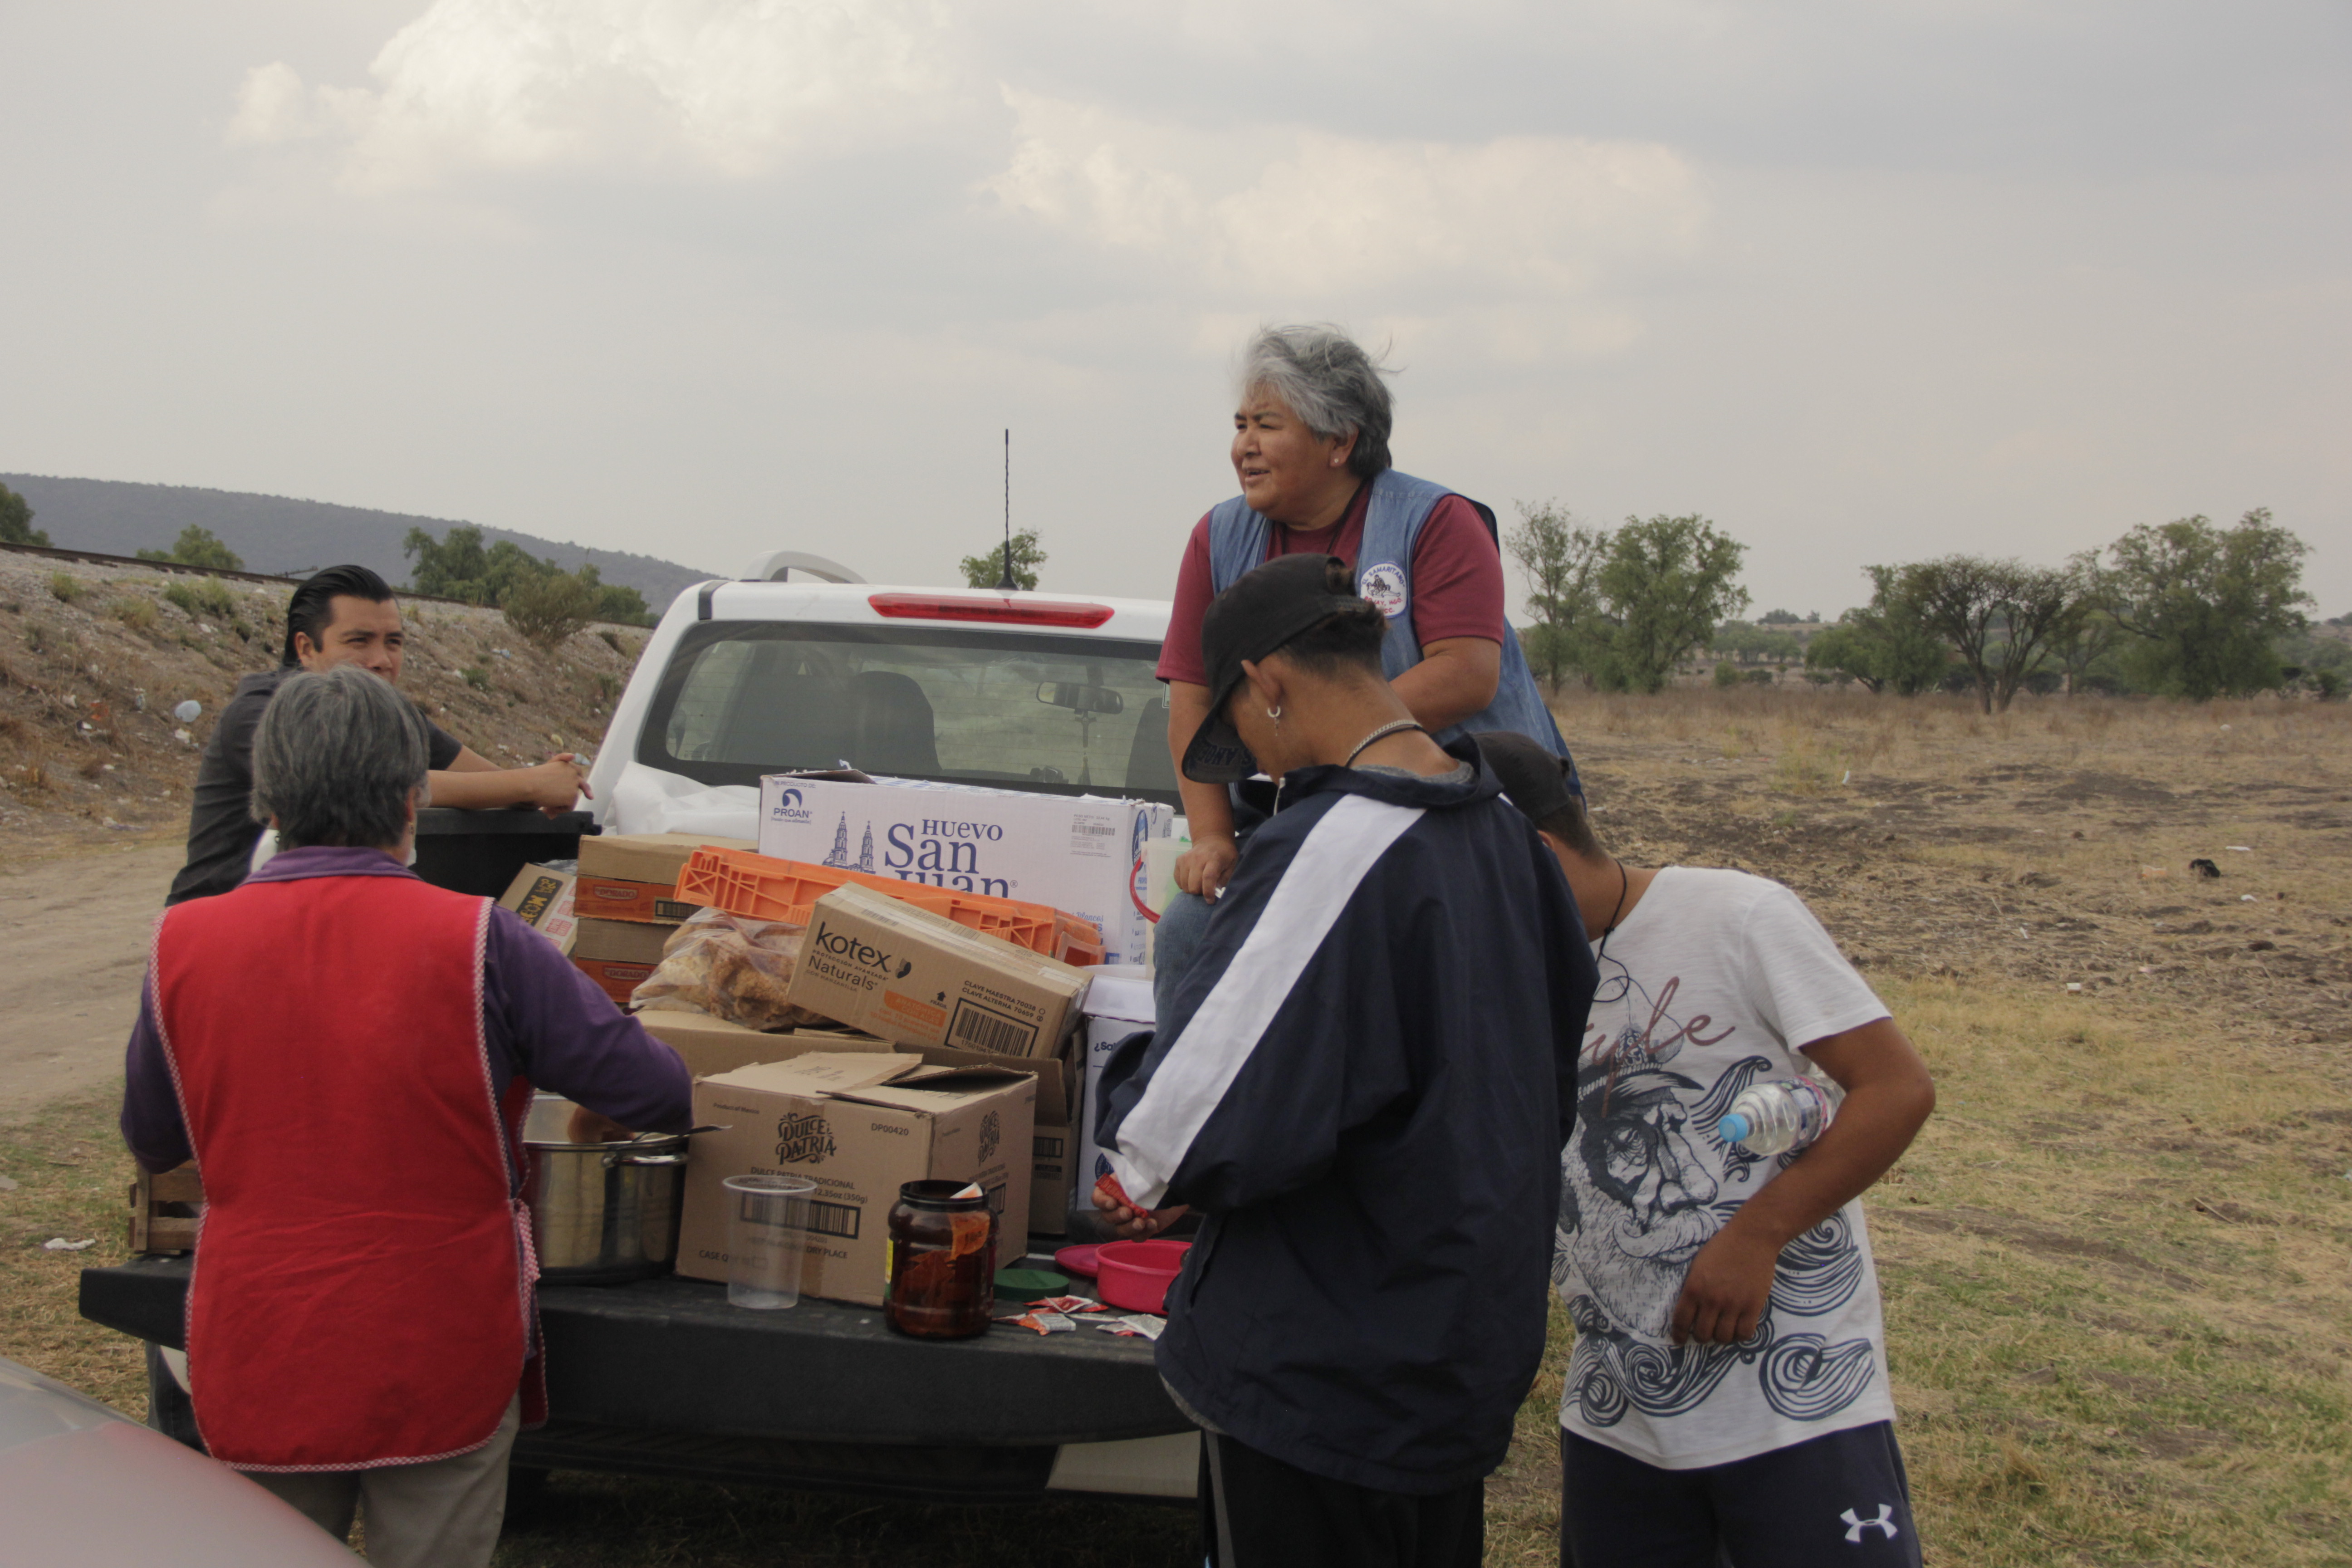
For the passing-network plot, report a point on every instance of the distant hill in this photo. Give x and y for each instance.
(278, 534)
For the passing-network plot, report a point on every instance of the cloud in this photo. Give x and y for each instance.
(732, 87)
(1503, 228)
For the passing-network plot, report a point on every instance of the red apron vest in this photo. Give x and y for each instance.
(363, 1282)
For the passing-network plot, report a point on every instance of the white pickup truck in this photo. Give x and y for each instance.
(1026, 691)
(770, 673)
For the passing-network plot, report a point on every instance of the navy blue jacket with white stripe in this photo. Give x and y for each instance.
(1366, 1086)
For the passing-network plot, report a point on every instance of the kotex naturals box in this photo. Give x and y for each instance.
(858, 1125)
(1078, 853)
(919, 979)
(1118, 1003)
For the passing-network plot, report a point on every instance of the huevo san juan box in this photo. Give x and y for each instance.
(1079, 854)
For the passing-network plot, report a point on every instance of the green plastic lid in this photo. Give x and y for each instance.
(1030, 1282)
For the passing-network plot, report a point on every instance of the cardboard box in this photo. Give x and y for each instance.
(629, 942)
(711, 1045)
(1052, 1180)
(919, 979)
(1053, 1167)
(1118, 1003)
(652, 858)
(616, 978)
(858, 1125)
(1078, 853)
(613, 899)
(543, 897)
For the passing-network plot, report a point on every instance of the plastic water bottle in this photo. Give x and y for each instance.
(1776, 1117)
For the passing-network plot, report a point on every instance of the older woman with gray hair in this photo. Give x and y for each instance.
(1311, 450)
(347, 1055)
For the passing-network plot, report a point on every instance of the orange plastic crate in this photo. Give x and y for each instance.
(766, 888)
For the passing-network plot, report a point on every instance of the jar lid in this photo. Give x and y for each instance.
(937, 1195)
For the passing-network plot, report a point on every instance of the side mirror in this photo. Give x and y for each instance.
(1085, 700)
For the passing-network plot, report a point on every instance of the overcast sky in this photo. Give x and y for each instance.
(1861, 281)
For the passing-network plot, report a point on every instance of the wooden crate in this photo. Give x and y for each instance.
(165, 1210)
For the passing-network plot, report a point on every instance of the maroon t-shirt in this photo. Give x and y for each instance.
(1458, 579)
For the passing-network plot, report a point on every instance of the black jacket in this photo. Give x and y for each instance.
(1365, 1084)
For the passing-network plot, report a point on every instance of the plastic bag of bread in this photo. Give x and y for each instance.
(730, 967)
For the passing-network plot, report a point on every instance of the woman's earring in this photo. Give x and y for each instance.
(1274, 714)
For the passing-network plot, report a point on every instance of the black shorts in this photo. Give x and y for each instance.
(1834, 1499)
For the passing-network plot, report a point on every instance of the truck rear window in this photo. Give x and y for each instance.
(1059, 715)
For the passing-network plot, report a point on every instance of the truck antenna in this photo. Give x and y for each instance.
(1006, 584)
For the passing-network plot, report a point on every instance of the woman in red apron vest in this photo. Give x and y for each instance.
(348, 1052)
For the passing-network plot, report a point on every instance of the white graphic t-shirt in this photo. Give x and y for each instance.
(1707, 988)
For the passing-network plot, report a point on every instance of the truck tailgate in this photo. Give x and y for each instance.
(671, 1354)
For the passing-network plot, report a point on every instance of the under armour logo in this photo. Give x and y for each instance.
(1854, 1527)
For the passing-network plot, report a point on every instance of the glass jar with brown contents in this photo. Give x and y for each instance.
(942, 1264)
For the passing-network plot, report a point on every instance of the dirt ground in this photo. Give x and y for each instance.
(2053, 845)
(77, 943)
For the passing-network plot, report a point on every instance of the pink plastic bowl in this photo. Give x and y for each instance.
(1135, 1274)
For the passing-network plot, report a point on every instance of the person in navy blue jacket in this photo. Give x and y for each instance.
(1365, 1082)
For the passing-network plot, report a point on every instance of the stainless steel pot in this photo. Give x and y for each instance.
(602, 1212)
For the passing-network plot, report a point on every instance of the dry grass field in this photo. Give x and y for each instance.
(2116, 1263)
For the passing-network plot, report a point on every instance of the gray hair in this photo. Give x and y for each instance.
(336, 760)
(1332, 384)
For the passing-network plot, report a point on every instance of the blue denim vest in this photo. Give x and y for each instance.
(1393, 523)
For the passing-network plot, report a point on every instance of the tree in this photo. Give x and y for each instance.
(1666, 584)
(198, 547)
(614, 601)
(2088, 631)
(1562, 559)
(1749, 643)
(987, 571)
(1885, 645)
(2208, 602)
(1778, 618)
(456, 566)
(453, 566)
(551, 607)
(16, 521)
(1998, 616)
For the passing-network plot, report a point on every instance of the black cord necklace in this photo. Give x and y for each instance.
(1623, 881)
(1393, 727)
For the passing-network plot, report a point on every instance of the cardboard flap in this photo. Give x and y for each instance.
(818, 1074)
(934, 1088)
(1055, 1078)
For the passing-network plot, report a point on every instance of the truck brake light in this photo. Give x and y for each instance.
(999, 610)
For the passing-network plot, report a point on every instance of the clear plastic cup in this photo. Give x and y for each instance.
(767, 1231)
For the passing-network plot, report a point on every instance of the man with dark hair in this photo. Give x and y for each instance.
(1364, 1081)
(344, 614)
(1726, 1399)
(362, 1328)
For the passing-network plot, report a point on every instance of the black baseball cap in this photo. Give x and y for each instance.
(1537, 782)
(1257, 615)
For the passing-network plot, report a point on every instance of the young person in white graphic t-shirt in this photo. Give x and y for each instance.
(1728, 1396)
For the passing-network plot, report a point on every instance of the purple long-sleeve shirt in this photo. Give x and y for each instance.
(542, 1019)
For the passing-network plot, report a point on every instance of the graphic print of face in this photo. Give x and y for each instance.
(1640, 1192)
